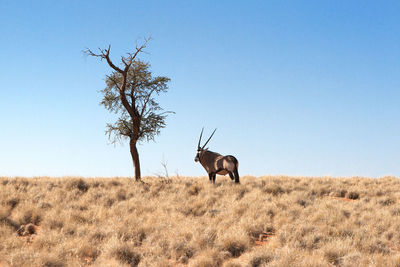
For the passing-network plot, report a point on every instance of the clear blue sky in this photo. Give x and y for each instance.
(294, 87)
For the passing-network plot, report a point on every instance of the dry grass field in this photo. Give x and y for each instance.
(266, 221)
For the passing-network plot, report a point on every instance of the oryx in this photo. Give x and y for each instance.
(215, 163)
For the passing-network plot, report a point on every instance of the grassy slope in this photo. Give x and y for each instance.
(186, 221)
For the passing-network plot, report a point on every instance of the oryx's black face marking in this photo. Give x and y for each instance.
(197, 158)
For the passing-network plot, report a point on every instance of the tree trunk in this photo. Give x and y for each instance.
(135, 158)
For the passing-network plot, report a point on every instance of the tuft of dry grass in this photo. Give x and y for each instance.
(265, 221)
(126, 255)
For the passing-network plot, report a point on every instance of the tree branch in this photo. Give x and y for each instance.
(107, 57)
(131, 57)
(145, 103)
(104, 54)
(114, 81)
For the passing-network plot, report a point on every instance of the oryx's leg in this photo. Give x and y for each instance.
(236, 176)
(231, 175)
(210, 176)
(214, 178)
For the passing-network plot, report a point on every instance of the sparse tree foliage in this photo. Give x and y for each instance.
(130, 92)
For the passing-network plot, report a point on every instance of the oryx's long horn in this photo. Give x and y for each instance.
(209, 139)
(200, 137)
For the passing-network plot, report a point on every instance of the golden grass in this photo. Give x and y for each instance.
(267, 221)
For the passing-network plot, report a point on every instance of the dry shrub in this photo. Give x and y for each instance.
(45, 242)
(255, 230)
(303, 199)
(208, 258)
(261, 259)
(353, 195)
(126, 255)
(136, 235)
(140, 235)
(183, 251)
(69, 230)
(52, 261)
(79, 217)
(235, 246)
(346, 213)
(333, 257)
(98, 237)
(274, 189)
(396, 211)
(322, 191)
(286, 257)
(375, 246)
(241, 209)
(7, 222)
(121, 195)
(88, 252)
(312, 241)
(302, 202)
(54, 223)
(194, 190)
(387, 201)
(340, 193)
(13, 202)
(194, 208)
(45, 205)
(114, 182)
(303, 237)
(335, 251)
(241, 192)
(96, 184)
(79, 184)
(206, 239)
(109, 202)
(156, 188)
(29, 215)
(351, 259)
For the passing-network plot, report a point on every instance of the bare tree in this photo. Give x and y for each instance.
(130, 91)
